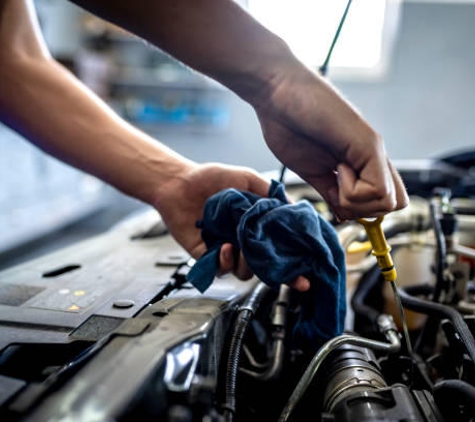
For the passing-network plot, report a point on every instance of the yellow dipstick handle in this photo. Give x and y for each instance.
(381, 249)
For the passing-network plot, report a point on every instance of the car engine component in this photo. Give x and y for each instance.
(110, 330)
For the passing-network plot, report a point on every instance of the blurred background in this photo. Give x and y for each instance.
(408, 66)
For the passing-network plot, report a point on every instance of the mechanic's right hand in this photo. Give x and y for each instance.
(317, 134)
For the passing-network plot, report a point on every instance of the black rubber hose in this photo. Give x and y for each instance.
(441, 255)
(449, 395)
(444, 311)
(246, 312)
(358, 301)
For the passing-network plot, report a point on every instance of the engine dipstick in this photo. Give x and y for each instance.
(382, 252)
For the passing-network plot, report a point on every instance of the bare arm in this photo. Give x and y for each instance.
(49, 106)
(307, 124)
(44, 102)
(215, 37)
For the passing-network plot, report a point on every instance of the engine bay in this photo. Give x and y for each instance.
(109, 329)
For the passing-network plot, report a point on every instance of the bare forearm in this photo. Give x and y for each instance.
(216, 37)
(49, 106)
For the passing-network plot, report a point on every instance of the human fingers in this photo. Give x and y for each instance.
(210, 178)
(243, 272)
(226, 259)
(365, 195)
(230, 261)
(402, 198)
(301, 283)
(390, 183)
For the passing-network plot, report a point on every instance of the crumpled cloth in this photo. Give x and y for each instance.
(279, 242)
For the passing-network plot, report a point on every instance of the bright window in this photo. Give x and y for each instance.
(308, 26)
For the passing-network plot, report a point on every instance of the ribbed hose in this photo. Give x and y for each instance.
(394, 345)
(444, 311)
(246, 312)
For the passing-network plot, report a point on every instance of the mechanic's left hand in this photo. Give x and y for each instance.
(181, 201)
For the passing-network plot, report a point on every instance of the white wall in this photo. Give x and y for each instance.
(60, 25)
(424, 107)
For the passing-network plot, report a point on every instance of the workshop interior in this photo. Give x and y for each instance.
(98, 318)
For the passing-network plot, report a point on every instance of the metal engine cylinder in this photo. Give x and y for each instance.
(352, 369)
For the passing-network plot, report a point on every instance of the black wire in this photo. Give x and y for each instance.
(282, 173)
(324, 67)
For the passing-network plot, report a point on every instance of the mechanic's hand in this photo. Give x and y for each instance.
(181, 201)
(313, 131)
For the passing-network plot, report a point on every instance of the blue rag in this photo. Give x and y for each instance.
(279, 242)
